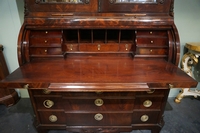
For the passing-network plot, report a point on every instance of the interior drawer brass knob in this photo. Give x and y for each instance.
(98, 102)
(151, 41)
(98, 117)
(98, 47)
(144, 118)
(48, 103)
(53, 118)
(126, 46)
(147, 103)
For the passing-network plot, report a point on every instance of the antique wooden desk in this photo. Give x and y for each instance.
(98, 66)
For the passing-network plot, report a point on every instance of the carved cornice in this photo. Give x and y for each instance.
(171, 13)
(26, 12)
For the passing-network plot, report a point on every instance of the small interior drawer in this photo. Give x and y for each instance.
(46, 33)
(53, 42)
(45, 51)
(151, 41)
(151, 51)
(151, 33)
(99, 47)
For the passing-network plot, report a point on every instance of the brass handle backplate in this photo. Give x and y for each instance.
(98, 102)
(151, 91)
(46, 91)
(144, 118)
(147, 103)
(48, 103)
(98, 117)
(26, 86)
(171, 86)
(53, 118)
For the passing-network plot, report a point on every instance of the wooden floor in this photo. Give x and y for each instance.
(179, 118)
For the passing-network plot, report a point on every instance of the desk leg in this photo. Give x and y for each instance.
(187, 62)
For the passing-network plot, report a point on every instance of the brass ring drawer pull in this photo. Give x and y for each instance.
(98, 102)
(46, 91)
(98, 117)
(144, 118)
(48, 103)
(151, 91)
(53, 118)
(147, 103)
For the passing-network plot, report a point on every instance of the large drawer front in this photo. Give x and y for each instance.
(85, 119)
(100, 119)
(82, 105)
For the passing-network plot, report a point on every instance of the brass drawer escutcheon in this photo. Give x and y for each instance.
(171, 86)
(147, 103)
(45, 91)
(48, 103)
(98, 117)
(53, 118)
(144, 118)
(151, 91)
(98, 102)
(26, 86)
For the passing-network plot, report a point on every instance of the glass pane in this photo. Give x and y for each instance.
(135, 1)
(65, 1)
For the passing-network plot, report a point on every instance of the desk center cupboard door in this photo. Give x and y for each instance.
(98, 66)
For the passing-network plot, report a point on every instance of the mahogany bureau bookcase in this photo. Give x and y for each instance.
(98, 66)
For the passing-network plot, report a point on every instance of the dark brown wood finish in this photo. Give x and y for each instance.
(98, 66)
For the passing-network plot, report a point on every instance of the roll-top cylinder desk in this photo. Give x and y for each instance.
(98, 66)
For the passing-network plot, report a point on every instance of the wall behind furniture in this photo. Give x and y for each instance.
(187, 20)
